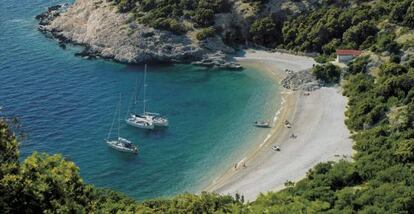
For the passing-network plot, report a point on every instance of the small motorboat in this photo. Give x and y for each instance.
(276, 148)
(262, 124)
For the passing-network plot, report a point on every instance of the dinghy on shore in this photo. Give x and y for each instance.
(262, 124)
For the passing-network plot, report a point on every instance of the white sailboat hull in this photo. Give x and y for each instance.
(156, 119)
(117, 145)
(146, 120)
(139, 123)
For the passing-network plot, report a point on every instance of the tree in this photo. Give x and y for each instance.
(264, 31)
(328, 73)
(409, 16)
(356, 35)
(204, 17)
(385, 42)
(205, 33)
(9, 165)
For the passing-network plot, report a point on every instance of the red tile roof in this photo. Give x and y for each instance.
(349, 52)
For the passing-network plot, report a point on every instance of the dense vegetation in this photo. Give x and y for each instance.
(357, 24)
(345, 24)
(171, 14)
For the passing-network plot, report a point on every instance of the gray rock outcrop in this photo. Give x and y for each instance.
(300, 80)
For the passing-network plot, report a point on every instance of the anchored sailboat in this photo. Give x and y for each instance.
(120, 144)
(146, 120)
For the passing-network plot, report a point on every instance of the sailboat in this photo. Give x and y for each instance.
(120, 144)
(147, 120)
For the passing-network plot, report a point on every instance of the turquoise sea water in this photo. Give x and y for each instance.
(66, 104)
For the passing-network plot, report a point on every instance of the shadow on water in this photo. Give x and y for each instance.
(159, 132)
(153, 67)
(167, 68)
(124, 156)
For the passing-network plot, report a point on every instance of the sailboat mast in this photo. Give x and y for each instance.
(112, 125)
(136, 95)
(145, 87)
(119, 113)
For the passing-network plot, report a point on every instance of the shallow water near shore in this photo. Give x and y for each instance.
(66, 105)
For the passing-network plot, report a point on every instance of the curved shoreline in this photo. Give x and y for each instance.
(313, 117)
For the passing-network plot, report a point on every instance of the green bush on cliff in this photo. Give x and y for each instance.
(170, 25)
(169, 14)
(205, 33)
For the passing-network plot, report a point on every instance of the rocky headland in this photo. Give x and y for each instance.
(106, 33)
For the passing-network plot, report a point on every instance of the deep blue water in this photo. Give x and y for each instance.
(66, 105)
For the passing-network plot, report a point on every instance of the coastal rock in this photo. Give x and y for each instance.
(218, 60)
(301, 80)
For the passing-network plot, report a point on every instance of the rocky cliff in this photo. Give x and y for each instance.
(109, 34)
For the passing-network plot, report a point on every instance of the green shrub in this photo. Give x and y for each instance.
(323, 58)
(385, 42)
(358, 65)
(170, 25)
(205, 33)
(328, 73)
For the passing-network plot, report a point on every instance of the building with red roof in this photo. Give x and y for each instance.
(347, 55)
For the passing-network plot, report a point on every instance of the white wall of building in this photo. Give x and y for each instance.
(344, 58)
